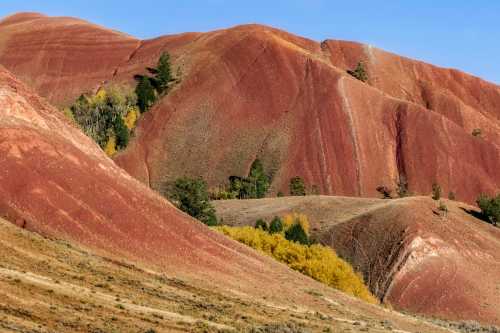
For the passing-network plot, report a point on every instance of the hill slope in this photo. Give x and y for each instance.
(411, 257)
(253, 91)
(57, 182)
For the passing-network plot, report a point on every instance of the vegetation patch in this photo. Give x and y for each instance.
(316, 261)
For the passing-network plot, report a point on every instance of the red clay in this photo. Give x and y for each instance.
(253, 91)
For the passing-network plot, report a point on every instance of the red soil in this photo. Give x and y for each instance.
(411, 256)
(253, 91)
(57, 182)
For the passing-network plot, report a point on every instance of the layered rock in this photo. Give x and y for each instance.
(256, 92)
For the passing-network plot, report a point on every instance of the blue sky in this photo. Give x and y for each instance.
(460, 34)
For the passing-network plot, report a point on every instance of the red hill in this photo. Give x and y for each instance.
(253, 91)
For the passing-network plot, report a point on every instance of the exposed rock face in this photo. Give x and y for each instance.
(411, 256)
(253, 91)
(57, 182)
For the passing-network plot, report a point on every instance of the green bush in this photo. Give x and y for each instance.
(490, 208)
(359, 72)
(276, 225)
(297, 187)
(296, 233)
(191, 196)
(145, 94)
(101, 116)
(261, 224)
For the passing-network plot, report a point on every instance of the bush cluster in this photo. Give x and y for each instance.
(254, 186)
(107, 116)
(319, 262)
(359, 72)
(490, 208)
(294, 227)
(191, 196)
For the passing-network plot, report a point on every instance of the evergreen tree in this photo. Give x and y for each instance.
(296, 233)
(163, 75)
(297, 187)
(259, 182)
(145, 93)
(191, 196)
(261, 224)
(276, 226)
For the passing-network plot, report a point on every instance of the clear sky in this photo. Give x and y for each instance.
(463, 34)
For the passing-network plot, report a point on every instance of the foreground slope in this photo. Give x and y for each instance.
(57, 182)
(253, 91)
(411, 256)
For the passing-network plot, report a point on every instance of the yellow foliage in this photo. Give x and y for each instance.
(317, 261)
(293, 218)
(99, 97)
(110, 148)
(131, 117)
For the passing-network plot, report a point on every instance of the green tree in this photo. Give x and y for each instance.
(276, 225)
(258, 180)
(261, 224)
(191, 196)
(145, 94)
(121, 132)
(162, 74)
(436, 191)
(297, 187)
(359, 72)
(296, 233)
(490, 208)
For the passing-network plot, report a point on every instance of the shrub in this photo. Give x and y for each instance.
(296, 233)
(191, 196)
(319, 262)
(145, 94)
(297, 187)
(261, 224)
(101, 116)
(280, 194)
(477, 132)
(276, 226)
(359, 72)
(490, 208)
(442, 207)
(385, 191)
(452, 196)
(436, 191)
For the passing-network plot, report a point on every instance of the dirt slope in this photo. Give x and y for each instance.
(58, 183)
(253, 91)
(411, 257)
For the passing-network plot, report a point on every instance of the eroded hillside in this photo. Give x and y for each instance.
(412, 255)
(253, 91)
